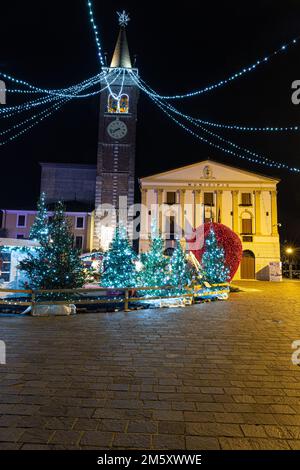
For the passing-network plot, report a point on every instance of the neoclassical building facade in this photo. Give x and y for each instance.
(207, 191)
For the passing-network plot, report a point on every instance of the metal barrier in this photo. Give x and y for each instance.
(31, 296)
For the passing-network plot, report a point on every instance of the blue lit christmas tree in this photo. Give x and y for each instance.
(56, 263)
(39, 230)
(213, 260)
(118, 262)
(155, 270)
(180, 274)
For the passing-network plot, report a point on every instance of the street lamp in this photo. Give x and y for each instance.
(289, 251)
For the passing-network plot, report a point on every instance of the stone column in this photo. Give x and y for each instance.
(274, 213)
(197, 208)
(219, 206)
(235, 207)
(258, 212)
(160, 202)
(144, 215)
(182, 203)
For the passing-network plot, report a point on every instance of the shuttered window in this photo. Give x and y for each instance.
(246, 199)
(208, 199)
(171, 197)
(247, 226)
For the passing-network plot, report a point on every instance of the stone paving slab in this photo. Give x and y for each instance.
(212, 376)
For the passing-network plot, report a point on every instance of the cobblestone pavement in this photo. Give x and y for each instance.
(213, 376)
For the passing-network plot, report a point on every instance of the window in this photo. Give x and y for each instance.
(79, 242)
(247, 239)
(20, 236)
(246, 199)
(171, 197)
(5, 261)
(124, 104)
(79, 222)
(120, 105)
(208, 199)
(21, 221)
(247, 226)
(112, 105)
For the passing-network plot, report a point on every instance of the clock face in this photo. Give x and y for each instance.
(117, 129)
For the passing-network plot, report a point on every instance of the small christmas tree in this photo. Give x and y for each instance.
(39, 230)
(118, 262)
(155, 270)
(56, 263)
(213, 260)
(180, 274)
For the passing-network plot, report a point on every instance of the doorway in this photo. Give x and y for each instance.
(248, 265)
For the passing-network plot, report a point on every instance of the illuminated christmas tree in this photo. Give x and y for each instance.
(180, 274)
(56, 263)
(155, 270)
(118, 262)
(213, 260)
(39, 230)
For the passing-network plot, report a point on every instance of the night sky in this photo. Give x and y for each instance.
(178, 48)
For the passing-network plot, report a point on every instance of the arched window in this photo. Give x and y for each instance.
(112, 105)
(124, 104)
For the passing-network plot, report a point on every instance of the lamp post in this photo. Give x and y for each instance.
(289, 251)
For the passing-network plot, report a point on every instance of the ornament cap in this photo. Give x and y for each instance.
(123, 18)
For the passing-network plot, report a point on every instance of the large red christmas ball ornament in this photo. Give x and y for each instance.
(226, 238)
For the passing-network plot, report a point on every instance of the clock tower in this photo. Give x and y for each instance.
(115, 178)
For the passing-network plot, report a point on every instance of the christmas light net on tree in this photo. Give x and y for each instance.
(180, 274)
(155, 272)
(226, 238)
(39, 230)
(56, 263)
(213, 260)
(118, 262)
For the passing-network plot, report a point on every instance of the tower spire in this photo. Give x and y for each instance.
(121, 56)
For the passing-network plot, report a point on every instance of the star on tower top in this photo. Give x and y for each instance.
(123, 18)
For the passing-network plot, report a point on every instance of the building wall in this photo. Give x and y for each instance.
(68, 182)
(10, 224)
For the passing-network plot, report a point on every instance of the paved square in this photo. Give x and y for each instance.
(213, 376)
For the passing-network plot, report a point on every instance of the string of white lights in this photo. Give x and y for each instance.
(10, 111)
(251, 156)
(244, 128)
(63, 92)
(217, 136)
(51, 97)
(7, 112)
(227, 126)
(118, 96)
(96, 33)
(100, 55)
(227, 141)
(37, 118)
(45, 115)
(235, 76)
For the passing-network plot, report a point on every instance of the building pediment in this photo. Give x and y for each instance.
(208, 171)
